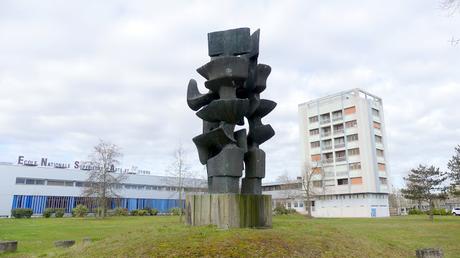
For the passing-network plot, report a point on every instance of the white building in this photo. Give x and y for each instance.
(343, 144)
(37, 185)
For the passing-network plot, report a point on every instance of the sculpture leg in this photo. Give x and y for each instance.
(225, 169)
(254, 171)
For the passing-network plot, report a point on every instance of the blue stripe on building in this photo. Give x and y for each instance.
(39, 203)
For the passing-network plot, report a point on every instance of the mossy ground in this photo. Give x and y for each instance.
(291, 236)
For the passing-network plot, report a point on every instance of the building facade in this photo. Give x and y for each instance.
(40, 187)
(343, 145)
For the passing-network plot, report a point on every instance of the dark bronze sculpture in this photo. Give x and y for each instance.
(235, 81)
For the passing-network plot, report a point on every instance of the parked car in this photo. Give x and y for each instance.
(456, 211)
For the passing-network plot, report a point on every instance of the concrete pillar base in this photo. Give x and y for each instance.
(229, 210)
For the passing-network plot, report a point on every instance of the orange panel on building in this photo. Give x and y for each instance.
(316, 157)
(350, 110)
(376, 125)
(381, 167)
(357, 181)
(316, 170)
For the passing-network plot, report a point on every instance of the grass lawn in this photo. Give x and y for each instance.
(291, 236)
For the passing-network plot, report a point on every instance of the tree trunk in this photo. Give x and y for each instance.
(431, 210)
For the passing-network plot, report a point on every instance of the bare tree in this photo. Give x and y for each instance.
(451, 6)
(177, 171)
(308, 175)
(103, 182)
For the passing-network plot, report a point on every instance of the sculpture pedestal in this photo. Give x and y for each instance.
(229, 210)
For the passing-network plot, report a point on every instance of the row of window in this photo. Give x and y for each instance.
(336, 129)
(345, 181)
(351, 196)
(339, 142)
(289, 186)
(52, 182)
(330, 171)
(340, 155)
(336, 115)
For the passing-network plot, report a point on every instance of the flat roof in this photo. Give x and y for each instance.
(355, 91)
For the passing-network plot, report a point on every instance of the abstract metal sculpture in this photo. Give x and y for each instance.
(235, 81)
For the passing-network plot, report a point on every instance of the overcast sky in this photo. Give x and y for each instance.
(73, 72)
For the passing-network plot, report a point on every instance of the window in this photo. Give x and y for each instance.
(314, 144)
(68, 183)
(379, 152)
(326, 131)
(301, 204)
(381, 166)
(327, 144)
(325, 118)
(376, 125)
(327, 157)
(351, 124)
(296, 204)
(378, 139)
(338, 128)
(383, 181)
(340, 156)
(355, 166)
(339, 142)
(313, 119)
(314, 131)
(56, 182)
(317, 183)
(353, 152)
(336, 115)
(350, 110)
(357, 181)
(375, 112)
(343, 181)
(20, 180)
(30, 181)
(352, 138)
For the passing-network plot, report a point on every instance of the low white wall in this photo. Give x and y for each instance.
(352, 207)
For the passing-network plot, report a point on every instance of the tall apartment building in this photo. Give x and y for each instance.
(343, 145)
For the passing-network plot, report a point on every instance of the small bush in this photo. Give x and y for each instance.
(20, 213)
(153, 212)
(59, 213)
(175, 211)
(142, 212)
(48, 212)
(414, 211)
(120, 212)
(442, 212)
(134, 212)
(292, 211)
(280, 210)
(80, 211)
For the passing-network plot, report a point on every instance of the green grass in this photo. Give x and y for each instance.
(291, 236)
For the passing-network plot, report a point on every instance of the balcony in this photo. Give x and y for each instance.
(325, 134)
(327, 147)
(339, 159)
(325, 121)
(328, 160)
(337, 118)
(339, 145)
(338, 131)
